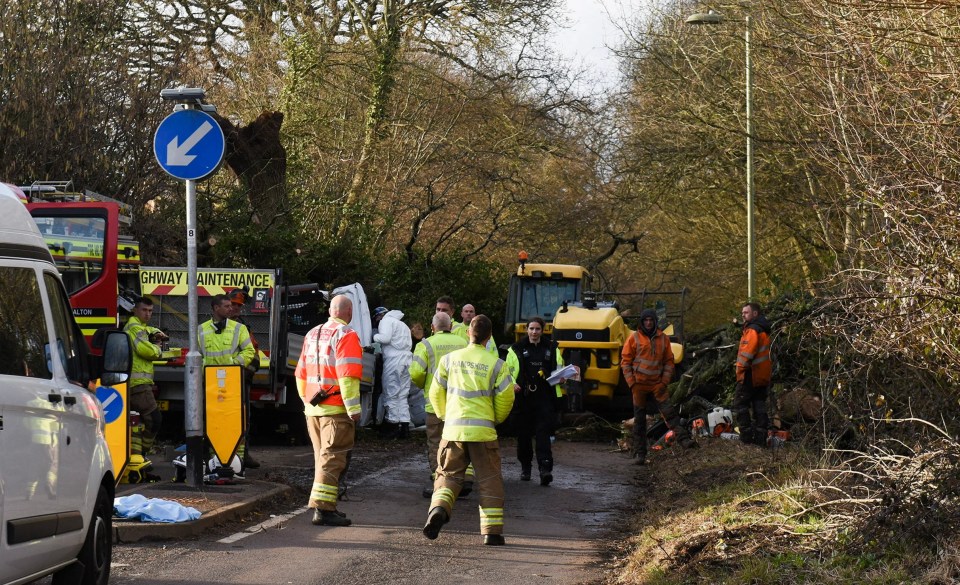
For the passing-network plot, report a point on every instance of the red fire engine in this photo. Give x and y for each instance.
(101, 268)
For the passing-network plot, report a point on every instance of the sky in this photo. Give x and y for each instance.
(592, 31)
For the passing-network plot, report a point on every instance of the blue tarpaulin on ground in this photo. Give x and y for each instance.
(152, 509)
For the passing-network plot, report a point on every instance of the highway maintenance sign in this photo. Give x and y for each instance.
(157, 281)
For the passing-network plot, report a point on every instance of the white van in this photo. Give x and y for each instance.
(56, 478)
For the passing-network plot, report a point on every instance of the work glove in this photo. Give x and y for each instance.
(660, 390)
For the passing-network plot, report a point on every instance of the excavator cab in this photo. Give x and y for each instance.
(538, 290)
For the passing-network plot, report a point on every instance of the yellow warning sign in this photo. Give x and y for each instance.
(210, 282)
(116, 418)
(224, 413)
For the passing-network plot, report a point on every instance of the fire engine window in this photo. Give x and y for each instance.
(76, 244)
(23, 329)
(64, 329)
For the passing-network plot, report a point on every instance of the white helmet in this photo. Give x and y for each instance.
(235, 464)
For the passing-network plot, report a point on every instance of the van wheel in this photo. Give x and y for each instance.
(98, 546)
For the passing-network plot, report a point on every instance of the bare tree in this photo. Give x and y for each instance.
(71, 107)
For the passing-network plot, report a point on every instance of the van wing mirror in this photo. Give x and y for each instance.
(117, 358)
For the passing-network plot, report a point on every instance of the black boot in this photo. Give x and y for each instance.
(546, 471)
(525, 472)
(389, 430)
(493, 540)
(404, 431)
(249, 462)
(435, 521)
(330, 518)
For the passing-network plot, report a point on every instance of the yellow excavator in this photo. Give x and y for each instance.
(590, 328)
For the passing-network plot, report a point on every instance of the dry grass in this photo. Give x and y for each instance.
(733, 513)
(946, 569)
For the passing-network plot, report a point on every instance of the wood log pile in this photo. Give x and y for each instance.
(707, 375)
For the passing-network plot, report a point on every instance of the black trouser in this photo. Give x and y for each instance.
(747, 397)
(535, 425)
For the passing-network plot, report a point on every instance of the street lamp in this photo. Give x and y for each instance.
(712, 17)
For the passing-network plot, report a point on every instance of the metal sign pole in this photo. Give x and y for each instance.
(193, 398)
(190, 145)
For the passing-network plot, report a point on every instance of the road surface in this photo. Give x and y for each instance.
(552, 533)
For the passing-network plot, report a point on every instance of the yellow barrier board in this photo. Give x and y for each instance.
(224, 414)
(116, 418)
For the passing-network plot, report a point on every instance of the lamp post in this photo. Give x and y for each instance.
(714, 18)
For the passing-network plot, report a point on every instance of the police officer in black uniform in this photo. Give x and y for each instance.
(537, 403)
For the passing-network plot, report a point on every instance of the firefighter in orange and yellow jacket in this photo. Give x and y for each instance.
(754, 370)
(328, 379)
(647, 364)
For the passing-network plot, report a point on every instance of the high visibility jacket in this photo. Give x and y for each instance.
(754, 353)
(647, 361)
(231, 346)
(253, 341)
(332, 361)
(531, 365)
(463, 330)
(426, 357)
(472, 392)
(144, 351)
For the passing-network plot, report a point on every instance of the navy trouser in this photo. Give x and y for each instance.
(535, 424)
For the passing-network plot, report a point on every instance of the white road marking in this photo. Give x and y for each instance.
(272, 522)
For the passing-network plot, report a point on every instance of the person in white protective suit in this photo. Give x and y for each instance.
(393, 335)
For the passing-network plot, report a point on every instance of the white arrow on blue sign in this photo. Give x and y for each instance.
(189, 144)
(111, 402)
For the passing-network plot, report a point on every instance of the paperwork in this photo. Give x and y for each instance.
(566, 373)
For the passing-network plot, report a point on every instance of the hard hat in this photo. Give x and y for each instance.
(238, 296)
(379, 311)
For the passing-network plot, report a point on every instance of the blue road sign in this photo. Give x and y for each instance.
(111, 401)
(189, 144)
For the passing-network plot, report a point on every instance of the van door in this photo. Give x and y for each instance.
(81, 414)
(32, 413)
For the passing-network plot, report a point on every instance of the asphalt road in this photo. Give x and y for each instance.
(553, 533)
